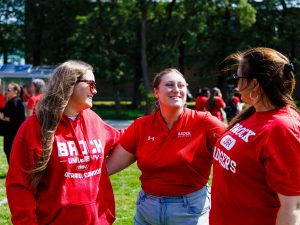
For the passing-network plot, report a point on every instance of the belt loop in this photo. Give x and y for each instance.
(185, 202)
(144, 195)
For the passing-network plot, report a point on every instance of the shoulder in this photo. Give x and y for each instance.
(91, 115)
(285, 120)
(30, 126)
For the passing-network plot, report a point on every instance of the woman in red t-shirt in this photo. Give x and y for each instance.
(172, 147)
(256, 175)
(216, 104)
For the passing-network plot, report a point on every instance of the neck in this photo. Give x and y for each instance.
(69, 111)
(170, 116)
(264, 106)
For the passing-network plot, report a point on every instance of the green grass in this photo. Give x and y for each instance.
(126, 186)
(4, 211)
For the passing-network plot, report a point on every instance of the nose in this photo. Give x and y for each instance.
(94, 91)
(176, 88)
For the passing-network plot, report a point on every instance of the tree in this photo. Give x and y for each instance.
(11, 27)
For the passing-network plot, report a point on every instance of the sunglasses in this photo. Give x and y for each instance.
(236, 77)
(91, 83)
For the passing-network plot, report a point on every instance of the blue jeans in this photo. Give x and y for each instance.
(190, 209)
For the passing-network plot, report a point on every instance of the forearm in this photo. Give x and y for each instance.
(119, 160)
(289, 211)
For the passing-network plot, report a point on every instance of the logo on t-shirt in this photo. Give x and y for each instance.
(185, 134)
(228, 142)
(150, 138)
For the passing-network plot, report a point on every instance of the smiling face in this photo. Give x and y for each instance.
(171, 91)
(82, 94)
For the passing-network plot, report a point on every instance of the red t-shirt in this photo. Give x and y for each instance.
(33, 101)
(174, 162)
(200, 103)
(2, 101)
(253, 161)
(216, 111)
(76, 187)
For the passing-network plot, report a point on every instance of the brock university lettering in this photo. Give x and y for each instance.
(93, 150)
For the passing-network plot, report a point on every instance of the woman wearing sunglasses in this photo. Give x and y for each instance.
(58, 173)
(11, 117)
(256, 175)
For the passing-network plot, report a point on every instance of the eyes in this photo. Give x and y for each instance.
(173, 85)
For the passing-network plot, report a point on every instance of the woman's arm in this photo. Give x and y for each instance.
(289, 211)
(119, 160)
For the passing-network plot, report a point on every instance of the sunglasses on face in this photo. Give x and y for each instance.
(236, 77)
(91, 83)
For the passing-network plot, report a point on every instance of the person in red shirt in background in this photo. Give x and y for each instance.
(37, 89)
(216, 104)
(57, 173)
(2, 101)
(234, 105)
(201, 100)
(173, 148)
(256, 175)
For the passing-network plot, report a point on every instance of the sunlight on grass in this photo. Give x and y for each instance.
(4, 211)
(126, 185)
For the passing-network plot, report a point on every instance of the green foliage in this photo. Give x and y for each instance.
(126, 113)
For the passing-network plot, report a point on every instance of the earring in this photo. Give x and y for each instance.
(156, 103)
(254, 99)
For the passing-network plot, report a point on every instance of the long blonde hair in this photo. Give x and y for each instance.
(51, 107)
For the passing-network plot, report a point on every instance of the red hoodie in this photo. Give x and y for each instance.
(75, 188)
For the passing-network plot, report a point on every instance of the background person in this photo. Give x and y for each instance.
(37, 89)
(57, 173)
(216, 104)
(173, 149)
(201, 100)
(12, 116)
(234, 105)
(256, 162)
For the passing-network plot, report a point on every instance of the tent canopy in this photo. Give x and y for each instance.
(25, 71)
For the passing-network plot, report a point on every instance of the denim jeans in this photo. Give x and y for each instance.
(190, 209)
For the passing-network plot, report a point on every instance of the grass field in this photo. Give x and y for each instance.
(125, 184)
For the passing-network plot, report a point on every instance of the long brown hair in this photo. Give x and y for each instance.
(274, 73)
(51, 107)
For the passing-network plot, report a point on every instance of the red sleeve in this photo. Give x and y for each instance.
(20, 194)
(30, 104)
(2, 101)
(214, 129)
(281, 159)
(197, 104)
(113, 137)
(220, 102)
(128, 140)
(235, 100)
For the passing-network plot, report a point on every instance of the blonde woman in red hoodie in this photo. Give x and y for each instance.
(56, 174)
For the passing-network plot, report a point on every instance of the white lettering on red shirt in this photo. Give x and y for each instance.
(242, 132)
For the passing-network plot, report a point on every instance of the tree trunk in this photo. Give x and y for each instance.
(143, 52)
